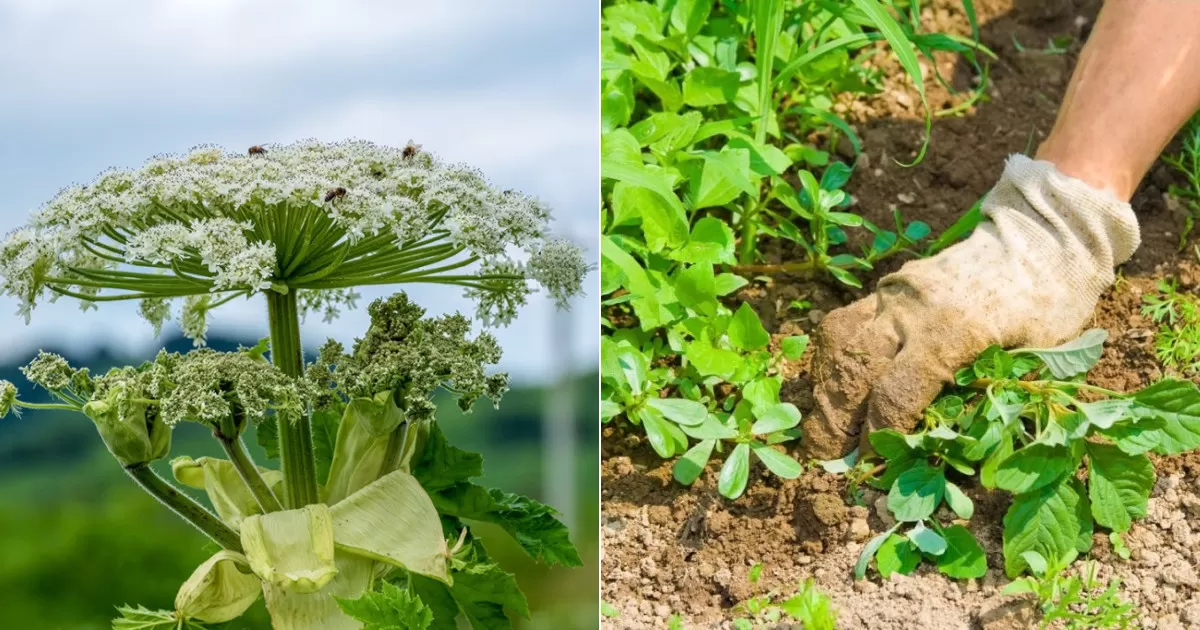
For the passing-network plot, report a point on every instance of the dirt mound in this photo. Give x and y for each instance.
(670, 549)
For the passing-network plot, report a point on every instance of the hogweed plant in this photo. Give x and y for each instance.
(362, 522)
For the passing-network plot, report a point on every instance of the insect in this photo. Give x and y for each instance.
(336, 193)
(410, 150)
(257, 150)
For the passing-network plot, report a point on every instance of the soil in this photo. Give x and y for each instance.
(669, 549)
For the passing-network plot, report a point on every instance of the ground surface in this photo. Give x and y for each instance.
(670, 549)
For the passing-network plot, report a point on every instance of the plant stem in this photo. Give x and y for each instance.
(805, 268)
(295, 434)
(184, 506)
(749, 225)
(249, 473)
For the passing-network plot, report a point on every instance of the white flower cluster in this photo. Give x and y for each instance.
(211, 221)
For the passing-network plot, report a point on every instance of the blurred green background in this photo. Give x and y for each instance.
(78, 538)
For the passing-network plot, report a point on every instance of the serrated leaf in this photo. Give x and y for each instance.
(1177, 403)
(896, 555)
(141, 618)
(917, 493)
(735, 472)
(391, 608)
(963, 558)
(1047, 521)
(927, 540)
(779, 463)
(1073, 357)
(689, 467)
(1033, 467)
(1119, 485)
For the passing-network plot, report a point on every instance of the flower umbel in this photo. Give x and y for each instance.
(318, 218)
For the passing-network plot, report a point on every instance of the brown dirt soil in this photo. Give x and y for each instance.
(669, 549)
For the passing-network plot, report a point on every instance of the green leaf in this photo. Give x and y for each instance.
(442, 465)
(144, 619)
(735, 472)
(391, 608)
(324, 437)
(620, 159)
(483, 592)
(1103, 413)
(696, 289)
(1003, 450)
(710, 360)
(896, 555)
(779, 463)
(711, 242)
(765, 159)
(664, 225)
(532, 524)
(266, 433)
(689, 467)
(718, 178)
(689, 16)
(610, 409)
(774, 418)
(1119, 485)
(927, 540)
(1033, 467)
(963, 558)
(1036, 561)
(711, 429)
(645, 302)
(727, 283)
(1047, 521)
(762, 391)
(959, 502)
(1073, 357)
(1178, 404)
(658, 432)
(889, 443)
(704, 87)
(685, 412)
(916, 230)
(917, 493)
(869, 550)
(794, 347)
(746, 332)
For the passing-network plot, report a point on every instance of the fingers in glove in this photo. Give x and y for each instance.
(852, 348)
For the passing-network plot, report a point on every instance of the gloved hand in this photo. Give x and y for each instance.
(1028, 276)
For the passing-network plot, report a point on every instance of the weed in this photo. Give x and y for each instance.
(1177, 340)
(1187, 164)
(808, 606)
(1074, 602)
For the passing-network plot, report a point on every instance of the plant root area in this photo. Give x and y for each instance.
(670, 549)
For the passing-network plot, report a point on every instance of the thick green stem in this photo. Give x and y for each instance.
(295, 434)
(185, 507)
(248, 471)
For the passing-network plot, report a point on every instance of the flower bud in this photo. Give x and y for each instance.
(219, 590)
(8, 396)
(133, 433)
(226, 490)
(292, 549)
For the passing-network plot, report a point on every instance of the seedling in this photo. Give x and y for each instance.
(1187, 164)
(366, 523)
(1024, 421)
(1074, 602)
(809, 607)
(1177, 340)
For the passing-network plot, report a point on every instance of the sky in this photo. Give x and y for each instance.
(510, 87)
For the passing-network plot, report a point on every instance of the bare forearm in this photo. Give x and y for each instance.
(1137, 82)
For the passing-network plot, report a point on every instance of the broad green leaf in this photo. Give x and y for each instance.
(616, 102)
(1073, 357)
(779, 463)
(762, 391)
(987, 472)
(712, 361)
(711, 429)
(664, 225)
(711, 242)
(442, 465)
(324, 425)
(696, 289)
(685, 412)
(610, 409)
(927, 540)
(1045, 520)
(793, 347)
(532, 524)
(293, 549)
(1118, 485)
(481, 591)
(774, 418)
(219, 590)
(704, 87)
(765, 159)
(869, 550)
(1036, 561)
(840, 466)
(746, 331)
(665, 132)
(727, 283)
(718, 178)
(1178, 404)
(688, 468)
(917, 493)
(390, 608)
(963, 558)
(645, 302)
(889, 443)
(657, 432)
(916, 230)
(393, 520)
(689, 16)
(620, 159)
(1033, 467)
(1137, 438)
(959, 502)
(896, 555)
(735, 472)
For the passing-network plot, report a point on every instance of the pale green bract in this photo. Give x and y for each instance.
(318, 218)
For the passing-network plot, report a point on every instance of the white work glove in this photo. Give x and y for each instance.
(1030, 276)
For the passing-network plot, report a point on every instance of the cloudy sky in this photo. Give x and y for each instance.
(509, 87)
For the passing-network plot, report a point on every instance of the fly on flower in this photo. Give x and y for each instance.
(308, 219)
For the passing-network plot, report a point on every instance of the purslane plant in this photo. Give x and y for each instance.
(379, 497)
(1026, 422)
